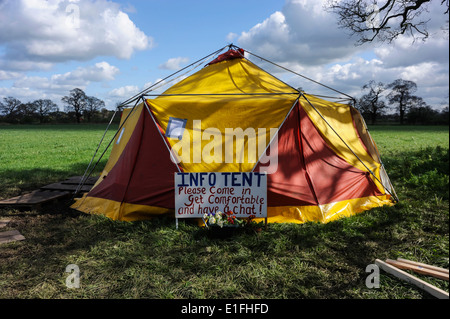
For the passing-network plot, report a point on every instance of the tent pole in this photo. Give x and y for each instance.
(109, 144)
(84, 178)
(222, 94)
(174, 160)
(379, 157)
(286, 69)
(140, 94)
(279, 127)
(368, 169)
(135, 99)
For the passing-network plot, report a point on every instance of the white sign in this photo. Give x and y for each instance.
(243, 193)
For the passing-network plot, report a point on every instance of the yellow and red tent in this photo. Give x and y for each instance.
(327, 166)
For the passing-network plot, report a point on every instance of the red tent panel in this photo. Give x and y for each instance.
(144, 173)
(309, 172)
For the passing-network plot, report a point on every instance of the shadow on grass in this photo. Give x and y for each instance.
(15, 182)
(423, 173)
(311, 260)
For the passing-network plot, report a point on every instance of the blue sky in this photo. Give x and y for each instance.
(113, 49)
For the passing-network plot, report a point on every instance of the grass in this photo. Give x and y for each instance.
(394, 139)
(34, 155)
(151, 259)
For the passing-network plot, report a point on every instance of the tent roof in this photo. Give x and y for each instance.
(232, 77)
(228, 94)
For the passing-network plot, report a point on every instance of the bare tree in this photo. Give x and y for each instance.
(402, 95)
(25, 113)
(9, 106)
(383, 20)
(371, 104)
(420, 111)
(43, 108)
(76, 102)
(93, 105)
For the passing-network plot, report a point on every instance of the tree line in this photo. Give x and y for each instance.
(381, 99)
(395, 102)
(78, 107)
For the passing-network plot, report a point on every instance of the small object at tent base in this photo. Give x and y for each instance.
(432, 290)
(10, 236)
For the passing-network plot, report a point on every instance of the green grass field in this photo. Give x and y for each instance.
(33, 155)
(151, 259)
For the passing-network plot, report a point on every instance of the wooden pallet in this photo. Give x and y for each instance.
(77, 179)
(10, 236)
(4, 222)
(37, 197)
(66, 187)
(49, 193)
(71, 184)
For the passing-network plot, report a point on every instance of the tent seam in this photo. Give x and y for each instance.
(162, 137)
(308, 178)
(279, 127)
(345, 143)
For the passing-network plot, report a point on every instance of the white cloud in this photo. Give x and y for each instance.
(124, 92)
(302, 32)
(404, 53)
(129, 8)
(344, 72)
(54, 87)
(174, 63)
(269, 37)
(231, 36)
(305, 38)
(101, 71)
(7, 75)
(36, 33)
(22, 93)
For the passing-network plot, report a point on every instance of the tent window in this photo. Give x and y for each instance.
(175, 128)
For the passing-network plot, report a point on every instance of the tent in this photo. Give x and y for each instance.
(321, 161)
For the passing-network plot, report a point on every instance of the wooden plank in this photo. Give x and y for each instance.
(77, 179)
(34, 198)
(423, 265)
(418, 269)
(432, 290)
(10, 236)
(4, 222)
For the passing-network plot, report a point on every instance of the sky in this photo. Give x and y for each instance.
(115, 49)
